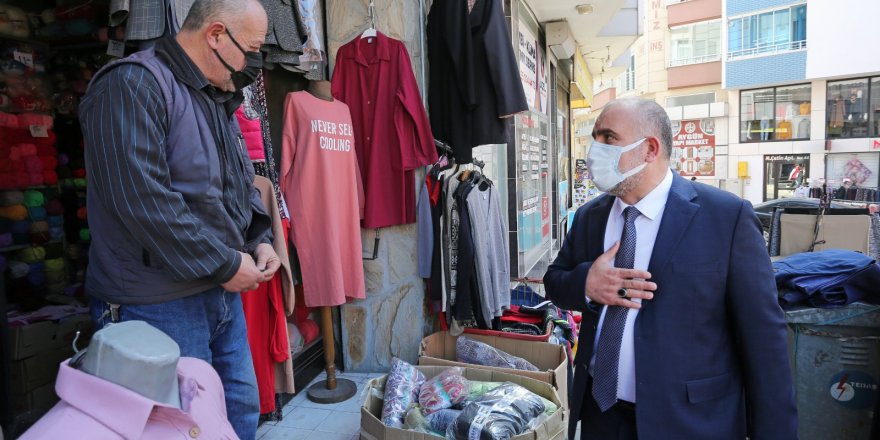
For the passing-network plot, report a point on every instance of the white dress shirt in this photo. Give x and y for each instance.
(647, 226)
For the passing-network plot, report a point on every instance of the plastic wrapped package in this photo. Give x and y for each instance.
(445, 390)
(475, 352)
(401, 390)
(477, 388)
(440, 420)
(500, 414)
(415, 420)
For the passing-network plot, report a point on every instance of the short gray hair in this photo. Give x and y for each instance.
(651, 119)
(207, 11)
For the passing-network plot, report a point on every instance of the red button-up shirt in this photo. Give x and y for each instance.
(391, 129)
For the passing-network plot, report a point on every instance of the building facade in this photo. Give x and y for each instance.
(804, 96)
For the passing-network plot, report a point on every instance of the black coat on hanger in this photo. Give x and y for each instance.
(474, 75)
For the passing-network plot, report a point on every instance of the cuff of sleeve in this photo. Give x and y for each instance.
(228, 269)
(580, 273)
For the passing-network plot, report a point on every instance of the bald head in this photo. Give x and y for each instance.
(204, 12)
(649, 117)
(220, 35)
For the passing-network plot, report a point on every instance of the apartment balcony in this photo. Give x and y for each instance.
(767, 49)
(692, 11)
(696, 73)
(604, 97)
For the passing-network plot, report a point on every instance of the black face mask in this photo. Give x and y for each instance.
(247, 76)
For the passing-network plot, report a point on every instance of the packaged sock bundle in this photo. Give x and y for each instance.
(499, 414)
(475, 352)
(401, 390)
(445, 390)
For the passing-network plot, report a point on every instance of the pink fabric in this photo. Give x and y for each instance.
(92, 408)
(321, 183)
(253, 135)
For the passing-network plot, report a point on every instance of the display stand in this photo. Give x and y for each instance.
(331, 390)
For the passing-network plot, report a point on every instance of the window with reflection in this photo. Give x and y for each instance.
(846, 111)
(775, 113)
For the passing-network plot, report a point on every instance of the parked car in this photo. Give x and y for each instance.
(765, 210)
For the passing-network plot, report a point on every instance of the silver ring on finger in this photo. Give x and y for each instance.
(622, 293)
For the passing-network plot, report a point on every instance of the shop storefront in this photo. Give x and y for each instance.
(531, 150)
(784, 173)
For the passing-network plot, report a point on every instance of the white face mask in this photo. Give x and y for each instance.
(603, 161)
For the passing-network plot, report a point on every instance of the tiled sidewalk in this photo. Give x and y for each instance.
(304, 419)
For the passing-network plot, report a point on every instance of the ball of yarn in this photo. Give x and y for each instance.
(56, 277)
(9, 198)
(36, 278)
(79, 183)
(50, 177)
(6, 239)
(14, 212)
(55, 220)
(20, 227)
(32, 198)
(38, 266)
(79, 173)
(8, 120)
(85, 235)
(37, 213)
(82, 213)
(17, 269)
(55, 264)
(56, 233)
(32, 254)
(27, 150)
(55, 207)
(40, 226)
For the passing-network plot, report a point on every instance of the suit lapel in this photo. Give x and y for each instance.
(679, 212)
(597, 219)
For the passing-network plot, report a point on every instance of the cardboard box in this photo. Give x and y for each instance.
(372, 428)
(41, 398)
(30, 373)
(68, 327)
(551, 359)
(28, 340)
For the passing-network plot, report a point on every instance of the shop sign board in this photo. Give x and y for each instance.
(693, 147)
(532, 69)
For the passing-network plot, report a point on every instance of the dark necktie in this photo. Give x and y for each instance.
(608, 349)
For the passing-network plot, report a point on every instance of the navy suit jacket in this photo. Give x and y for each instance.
(711, 347)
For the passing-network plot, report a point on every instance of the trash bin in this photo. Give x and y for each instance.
(836, 361)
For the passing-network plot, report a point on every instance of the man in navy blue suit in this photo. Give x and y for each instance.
(682, 336)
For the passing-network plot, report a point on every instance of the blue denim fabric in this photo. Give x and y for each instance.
(827, 279)
(827, 262)
(209, 326)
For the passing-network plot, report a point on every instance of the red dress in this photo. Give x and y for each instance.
(392, 132)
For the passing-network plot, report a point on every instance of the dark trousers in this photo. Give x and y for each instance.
(618, 423)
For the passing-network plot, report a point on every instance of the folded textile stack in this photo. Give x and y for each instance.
(827, 279)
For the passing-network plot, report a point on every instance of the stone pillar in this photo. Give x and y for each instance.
(393, 319)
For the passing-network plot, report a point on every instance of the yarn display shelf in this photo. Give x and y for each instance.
(18, 247)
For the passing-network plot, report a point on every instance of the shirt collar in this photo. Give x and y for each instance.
(383, 49)
(185, 70)
(116, 407)
(652, 204)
